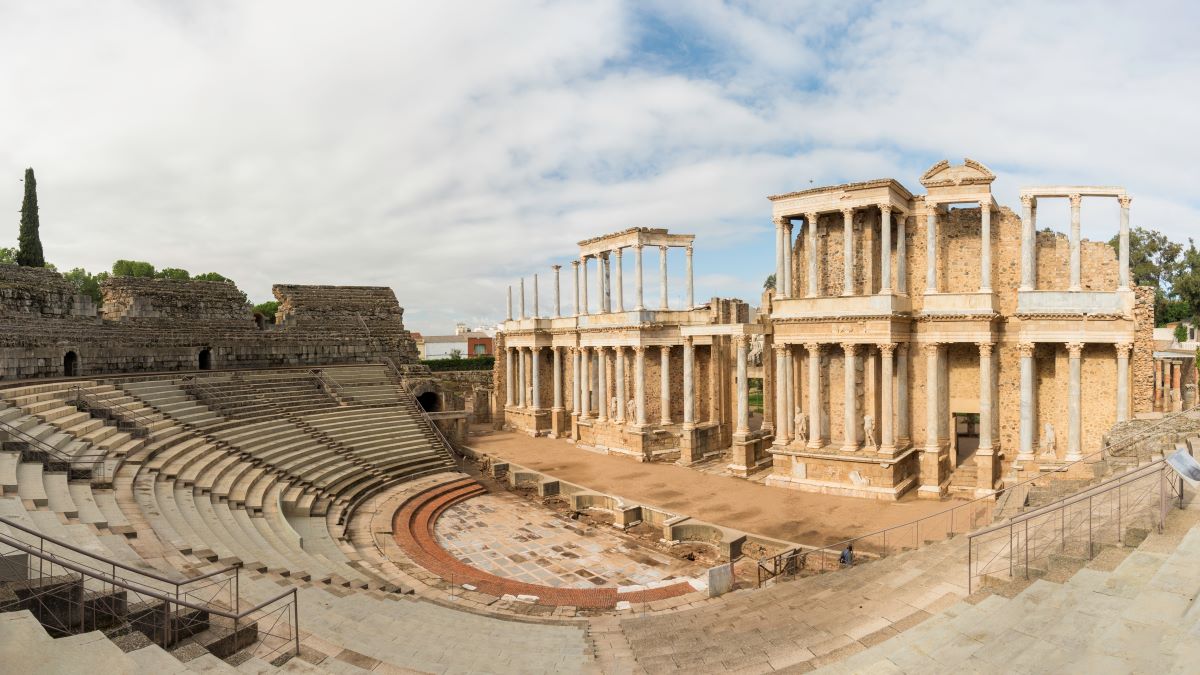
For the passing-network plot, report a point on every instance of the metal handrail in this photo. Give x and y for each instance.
(331, 386)
(412, 399)
(92, 401)
(45, 447)
(917, 521)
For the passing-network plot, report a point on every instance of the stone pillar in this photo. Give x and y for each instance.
(931, 278)
(811, 227)
(509, 377)
(781, 396)
(608, 282)
(662, 276)
(1176, 386)
(691, 291)
(1074, 401)
(585, 383)
(885, 249)
(637, 255)
(986, 386)
(901, 254)
(743, 386)
(1123, 246)
(575, 381)
(620, 283)
(780, 255)
(601, 283)
(521, 400)
(522, 297)
(536, 394)
(789, 420)
(815, 439)
(689, 386)
(789, 284)
(619, 385)
(850, 418)
(933, 400)
(537, 312)
(1158, 384)
(665, 384)
(847, 251)
(602, 384)
(575, 288)
(1028, 419)
(583, 286)
(1028, 244)
(1123, 349)
(509, 315)
(557, 292)
(557, 379)
(985, 245)
(887, 438)
(1075, 254)
(903, 425)
(639, 383)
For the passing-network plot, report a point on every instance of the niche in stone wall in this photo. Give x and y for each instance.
(205, 359)
(70, 364)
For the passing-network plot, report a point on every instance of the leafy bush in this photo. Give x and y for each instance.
(173, 273)
(212, 276)
(267, 309)
(473, 363)
(133, 268)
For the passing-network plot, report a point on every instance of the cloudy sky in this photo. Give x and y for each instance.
(446, 149)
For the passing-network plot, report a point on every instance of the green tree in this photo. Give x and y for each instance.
(8, 256)
(1154, 260)
(212, 276)
(1180, 332)
(267, 309)
(30, 241)
(173, 273)
(86, 283)
(133, 268)
(769, 284)
(1186, 285)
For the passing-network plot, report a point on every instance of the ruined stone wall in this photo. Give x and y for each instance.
(369, 312)
(32, 292)
(1141, 361)
(469, 390)
(185, 304)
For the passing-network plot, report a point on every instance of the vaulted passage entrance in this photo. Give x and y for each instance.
(70, 364)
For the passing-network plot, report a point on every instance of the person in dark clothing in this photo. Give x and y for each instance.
(847, 557)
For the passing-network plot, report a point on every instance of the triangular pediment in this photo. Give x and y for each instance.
(969, 172)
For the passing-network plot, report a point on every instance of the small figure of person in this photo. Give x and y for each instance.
(801, 425)
(847, 557)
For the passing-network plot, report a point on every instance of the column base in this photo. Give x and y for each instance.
(848, 447)
(888, 450)
(1073, 457)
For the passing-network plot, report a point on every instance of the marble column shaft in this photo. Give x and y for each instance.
(639, 383)
(887, 440)
(602, 384)
(901, 254)
(743, 386)
(903, 424)
(522, 297)
(815, 438)
(1028, 419)
(557, 292)
(521, 400)
(1028, 242)
(1074, 401)
(583, 287)
(619, 385)
(810, 224)
(850, 405)
(986, 386)
(534, 369)
(781, 409)
(620, 280)
(662, 276)
(585, 383)
(933, 401)
(691, 289)
(1123, 246)
(1075, 244)
(637, 276)
(885, 249)
(789, 419)
(689, 386)
(575, 395)
(575, 288)
(557, 379)
(665, 384)
(847, 251)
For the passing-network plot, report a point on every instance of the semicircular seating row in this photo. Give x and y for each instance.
(258, 468)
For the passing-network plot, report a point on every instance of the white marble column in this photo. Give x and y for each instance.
(985, 247)
(557, 292)
(557, 379)
(742, 343)
(885, 249)
(575, 288)
(620, 281)
(931, 277)
(781, 406)
(903, 424)
(665, 384)
(689, 383)
(583, 286)
(1075, 243)
(850, 407)
(1123, 246)
(662, 276)
(901, 254)
(815, 440)
(575, 396)
(585, 383)
(534, 369)
(1123, 349)
(639, 383)
(1028, 243)
(887, 441)
(691, 290)
(1074, 401)
(509, 378)
(847, 251)
(601, 283)
(789, 284)
(619, 385)
(509, 315)
(811, 227)
(637, 255)
(602, 384)
(933, 398)
(522, 297)
(1028, 418)
(537, 312)
(986, 385)
(521, 401)
(779, 258)
(789, 420)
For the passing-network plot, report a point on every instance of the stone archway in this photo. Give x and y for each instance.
(205, 359)
(430, 401)
(70, 364)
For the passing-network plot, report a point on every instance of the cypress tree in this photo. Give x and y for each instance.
(30, 253)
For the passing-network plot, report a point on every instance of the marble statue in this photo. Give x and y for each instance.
(631, 411)
(614, 404)
(801, 426)
(869, 432)
(1048, 444)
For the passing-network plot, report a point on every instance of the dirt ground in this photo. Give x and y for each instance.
(792, 515)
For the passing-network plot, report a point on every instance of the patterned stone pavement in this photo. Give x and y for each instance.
(515, 539)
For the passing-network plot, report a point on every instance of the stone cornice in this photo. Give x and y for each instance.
(1071, 315)
(878, 182)
(927, 318)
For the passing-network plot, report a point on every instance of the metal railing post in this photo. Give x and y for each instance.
(1090, 527)
(1026, 548)
(296, 618)
(1120, 534)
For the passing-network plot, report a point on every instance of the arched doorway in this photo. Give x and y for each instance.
(70, 364)
(430, 401)
(205, 359)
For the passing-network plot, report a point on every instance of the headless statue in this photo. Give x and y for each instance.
(801, 426)
(869, 432)
(631, 411)
(614, 404)
(1049, 449)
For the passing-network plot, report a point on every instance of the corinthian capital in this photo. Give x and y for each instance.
(1125, 200)
(1075, 200)
(1026, 349)
(1027, 201)
(1123, 348)
(1075, 349)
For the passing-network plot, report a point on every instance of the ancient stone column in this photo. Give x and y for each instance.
(781, 405)
(1176, 386)
(602, 384)
(602, 282)
(557, 292)
(639, 383)
(662, 275)
(847, 251)
(523, 402)
(789, 420)
(1158, 384)
(789, 285)
(985, 245)
(1074, 401)
(901, 254)
(1075, 257)
(691, 292)
(887, 439)
(1123, 246)
(522, 297)
(931, 247)
(665, 382)
(850, 419)
(620, 283)
(1123, 349)
(536, 311)
(619, 386)
(986, 385)
(583, 286)
(536, 394)
(780, 255)
(575, 267)
(1028, 243)
(903, 425)
(637, 255)
(811, 226)
(575, 396)
(689, 386)
(1028, 420)
(585, 383)
(509, 315)
(885, 249)
(742, 343)
(933, 400)
(509, 376)
(557, 379)
(815, 439)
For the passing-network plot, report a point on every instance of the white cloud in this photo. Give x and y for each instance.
(446, 150)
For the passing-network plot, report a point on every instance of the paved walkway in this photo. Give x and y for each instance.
(792, 515)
